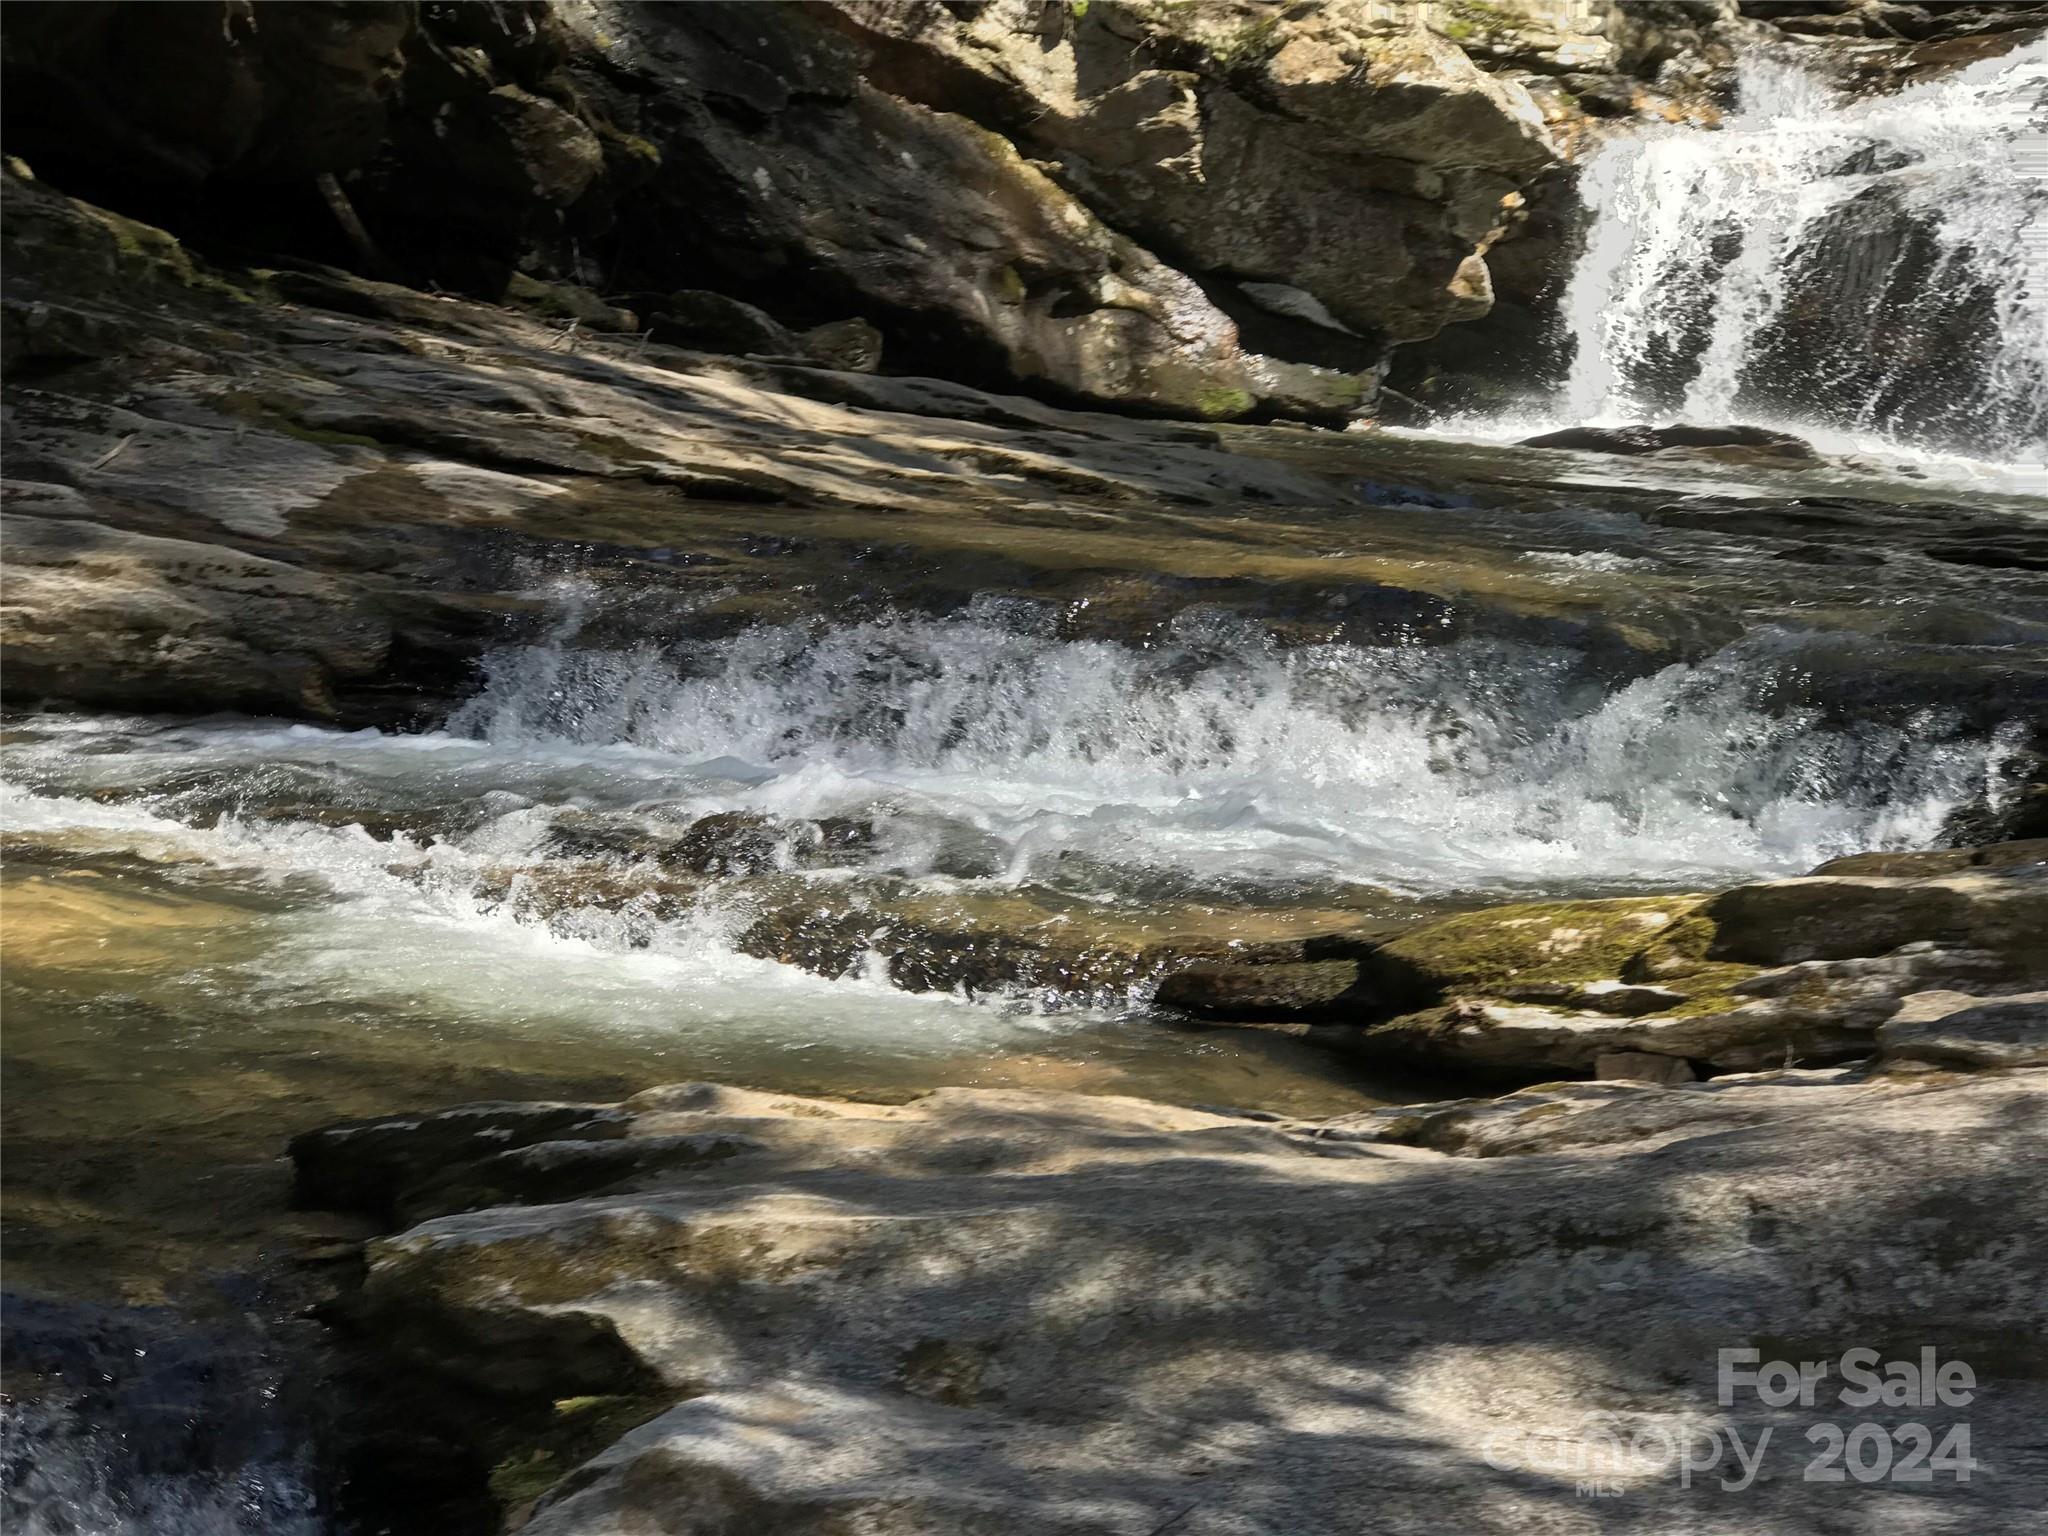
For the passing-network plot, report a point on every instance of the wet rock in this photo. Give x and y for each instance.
(366, 1164)
(1644, 439)
(724, 843)
(1303, 990)
(917, 938)
(993, 943)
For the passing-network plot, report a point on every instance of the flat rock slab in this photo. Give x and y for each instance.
(1022, 1311)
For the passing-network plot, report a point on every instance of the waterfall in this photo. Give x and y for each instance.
(1862, 269)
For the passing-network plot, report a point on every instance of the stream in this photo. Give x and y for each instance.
(595, 873)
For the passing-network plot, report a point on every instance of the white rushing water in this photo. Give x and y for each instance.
(1222, 756)
(1869, 272)
(985, 750)
(63, 1476)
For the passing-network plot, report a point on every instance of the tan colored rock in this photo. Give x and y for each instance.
(1643, 1067)
(98, 616)
(1016, 1312)
(1349, 151)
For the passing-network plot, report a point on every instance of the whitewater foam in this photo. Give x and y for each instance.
(1221, 754)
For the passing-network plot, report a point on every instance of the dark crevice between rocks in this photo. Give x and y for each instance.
(428, 1445)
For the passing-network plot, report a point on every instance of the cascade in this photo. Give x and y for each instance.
(1862, 269)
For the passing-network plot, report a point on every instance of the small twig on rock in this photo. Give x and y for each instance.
(110, 455)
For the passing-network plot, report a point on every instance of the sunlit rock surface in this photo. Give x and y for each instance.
(1025, 1312)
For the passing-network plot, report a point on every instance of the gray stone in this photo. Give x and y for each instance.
(1980, 1033)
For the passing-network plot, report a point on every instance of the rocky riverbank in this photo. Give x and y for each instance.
(1033, 1311)
(315, 494)
(1222, 210)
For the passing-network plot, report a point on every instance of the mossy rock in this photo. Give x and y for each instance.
(1220, 402)
(1551, 941)
(577, 1428)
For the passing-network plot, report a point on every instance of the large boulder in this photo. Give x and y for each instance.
(1070, 196)
(789, 180)
(1348, 150)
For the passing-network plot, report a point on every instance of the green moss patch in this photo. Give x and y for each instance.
(1220, 402)
(576, 1430)
(1551, 941)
